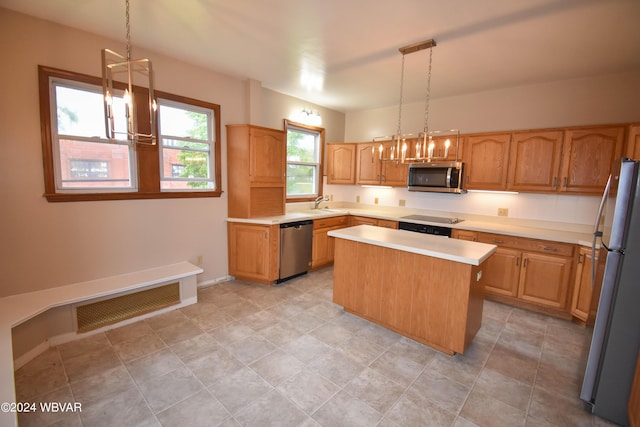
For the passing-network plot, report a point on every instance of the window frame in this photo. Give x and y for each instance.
(147, 157)
(320, 177)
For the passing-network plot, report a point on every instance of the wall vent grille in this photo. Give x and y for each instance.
(109, 311)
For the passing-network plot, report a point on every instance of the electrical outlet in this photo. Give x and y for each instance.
(357, 199)
(199, 260)
(375, 201)
(331, 197)
(402, 203)
(503, 211)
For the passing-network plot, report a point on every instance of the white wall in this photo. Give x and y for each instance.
(53, 244)
(589, 101)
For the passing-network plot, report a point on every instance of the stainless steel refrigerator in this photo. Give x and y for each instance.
(616, 333)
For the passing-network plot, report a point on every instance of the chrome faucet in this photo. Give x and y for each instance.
(319, 200)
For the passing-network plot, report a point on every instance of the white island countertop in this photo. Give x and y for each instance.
(463, 251)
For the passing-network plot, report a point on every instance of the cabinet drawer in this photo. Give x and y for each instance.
(340, 221)
(544, 246)
(387, 223)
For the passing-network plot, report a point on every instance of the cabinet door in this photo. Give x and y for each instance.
(397, 285)
(544, 279)
(583, 305)
(367, 164)
(393, 173)
(633, 142)
(322, 254)
(363, 220)
(588, 158)
(386, 223)
(486, 161)
(341, 163)
(267, 157)
(253, 251)
(502, 271)
(534, 162)
(471, 236)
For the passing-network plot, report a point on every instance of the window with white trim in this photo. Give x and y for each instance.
(185, 138)
(304, 161)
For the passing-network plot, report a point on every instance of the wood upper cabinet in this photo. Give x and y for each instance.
(486, 160)
(256, 164)
(367, 164)
(370, 170)
(267, 156)
(341, 163)
(633, 142)
(534, 162)
(253, 251)
(584, 302)
(588, 158)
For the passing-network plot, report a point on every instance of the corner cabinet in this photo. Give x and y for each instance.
(341, 163)
(256, 171)
(254, 251)
(323, 246)
(584, 302)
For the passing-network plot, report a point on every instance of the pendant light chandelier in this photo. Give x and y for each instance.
(426, 140)
(113, 64)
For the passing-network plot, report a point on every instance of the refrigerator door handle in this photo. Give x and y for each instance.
(596, 230)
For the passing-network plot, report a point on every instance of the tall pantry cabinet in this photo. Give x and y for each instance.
(256, 171)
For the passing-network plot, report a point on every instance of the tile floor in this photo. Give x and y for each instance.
(287, 356)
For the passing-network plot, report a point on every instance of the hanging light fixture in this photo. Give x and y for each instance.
(112, 64)
(426, 141)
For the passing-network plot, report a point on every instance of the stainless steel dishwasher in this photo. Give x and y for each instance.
(295, 249)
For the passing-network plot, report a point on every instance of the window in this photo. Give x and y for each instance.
(304, 161)
(81, 164)
(186, 138)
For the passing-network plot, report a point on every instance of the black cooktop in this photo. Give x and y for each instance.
(438, 219)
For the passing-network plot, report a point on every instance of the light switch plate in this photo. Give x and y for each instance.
(503, 211)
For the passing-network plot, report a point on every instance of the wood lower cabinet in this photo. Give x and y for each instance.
(584, 302)
(531, 273)
(471, 236)
(633, 142)
(323, 245)
(341, 163)
(364, 220)
(254, 251)
(432, 300)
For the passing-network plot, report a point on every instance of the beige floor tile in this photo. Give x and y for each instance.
(168, 389)
(307, 348)
(379, 335)
(325, 310)
(129, 332)
(166, 319)
(91, 363)
(362, 350)
(103, 385)
(137, 347)
(484, 410)
(251, 349)
(427, 414)
(214, 366)
(41, 375)
(272, 409)
(277, 367)
(122, 409)
(337, 367)
(37, 417)
(239, 389)
(513, 364)
(496, 311)
(179, 332)
(558, 410)
(558, 374)
(199, 410)
(346, 410)
(331, 334)
(375, 389)
(448, 394)
(231, 332)
(281, 332)
(455, 367)
(397, 367)
(153, 365)
(83, 346)
(529, 344)
(195, 348)
(503, 388)
(308, 390)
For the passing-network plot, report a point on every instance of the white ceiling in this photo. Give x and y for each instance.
(343, 54)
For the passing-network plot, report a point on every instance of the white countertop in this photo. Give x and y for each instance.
(463, 251)
(557, 232)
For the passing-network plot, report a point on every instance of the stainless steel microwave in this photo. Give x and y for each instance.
(437, 177)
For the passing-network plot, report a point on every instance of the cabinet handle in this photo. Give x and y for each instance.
(467, 179)
(384, 178)
(550, 249)
(524, 265)
(518, 262)
(498, 241)
(580, 259)
(564, 182)
(555, 182)
(266, 236)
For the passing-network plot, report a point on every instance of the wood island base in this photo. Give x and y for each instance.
(435, 301)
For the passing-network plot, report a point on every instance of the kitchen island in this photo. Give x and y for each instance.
(425, 287)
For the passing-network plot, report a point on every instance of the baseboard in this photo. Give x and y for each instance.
(207, 283)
